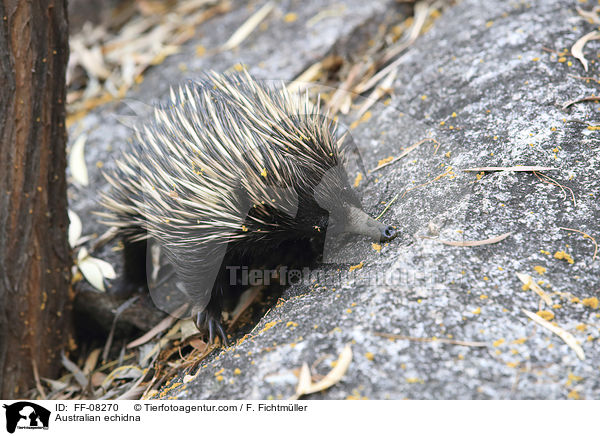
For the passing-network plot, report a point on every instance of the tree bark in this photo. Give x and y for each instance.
(35, 259)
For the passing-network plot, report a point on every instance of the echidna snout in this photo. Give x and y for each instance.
(358, 222)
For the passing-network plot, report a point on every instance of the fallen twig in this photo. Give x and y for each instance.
(388, 206)
(404, 153)
(515, 168)
(472, 243)
(527, 280)
(563, 334)
(580, 100)
(161, 326)
(555, 183)
(442, 340)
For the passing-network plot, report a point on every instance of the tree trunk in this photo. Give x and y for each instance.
(35, 259)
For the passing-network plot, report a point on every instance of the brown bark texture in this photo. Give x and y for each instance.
(35, 297)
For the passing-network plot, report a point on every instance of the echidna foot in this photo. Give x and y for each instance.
(205, 321)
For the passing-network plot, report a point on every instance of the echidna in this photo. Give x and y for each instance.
(231, 170)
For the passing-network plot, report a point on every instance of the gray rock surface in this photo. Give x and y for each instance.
(481, 84)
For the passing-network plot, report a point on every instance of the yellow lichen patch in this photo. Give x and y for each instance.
(572, 378)
(561, 255)
(479, 175)
(448, 154)
(581, 327)
(290, 18)
(476, 311)
(512, 364)
(237, 371)
(365, 117)
(545, 252)
(498, 342)
(369, 356)
(355, 267)
(573, 395)
(414, 380)
(291, 324)
(220, 378)
(483, 297)
(268, 326)
(539, 269)
(376, 247)
(263, 173)
(200, 50)
(590, 302)
(386, 160)
(358, 179)
(219, 372)
(546, 314)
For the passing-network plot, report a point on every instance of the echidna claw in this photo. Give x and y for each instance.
(212, 325)
(211, 331)
(222, 334)
(204, 321)
(200, 319)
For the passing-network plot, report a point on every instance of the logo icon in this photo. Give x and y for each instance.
(26, 415)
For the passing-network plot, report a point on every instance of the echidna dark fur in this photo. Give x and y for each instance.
(231, 170)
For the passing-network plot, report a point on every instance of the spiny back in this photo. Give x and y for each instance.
(220, 147)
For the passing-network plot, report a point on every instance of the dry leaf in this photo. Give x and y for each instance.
(516, 168)
(591, 16)
(105, 268)
(473, 243)
(91, 361)
(198, 344)
(77, 161)
(441, 340)
(304, 381)
(246, 29)
(161, 326)
(80, 377)
(75, 228)
(125, 371)
(528, 281)
(245, 301)
(580, 100)
(187, 328)
(90, 270)
(309, 75)
(563, 334)
(97, 379)
(577, 49)
(305, 385)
